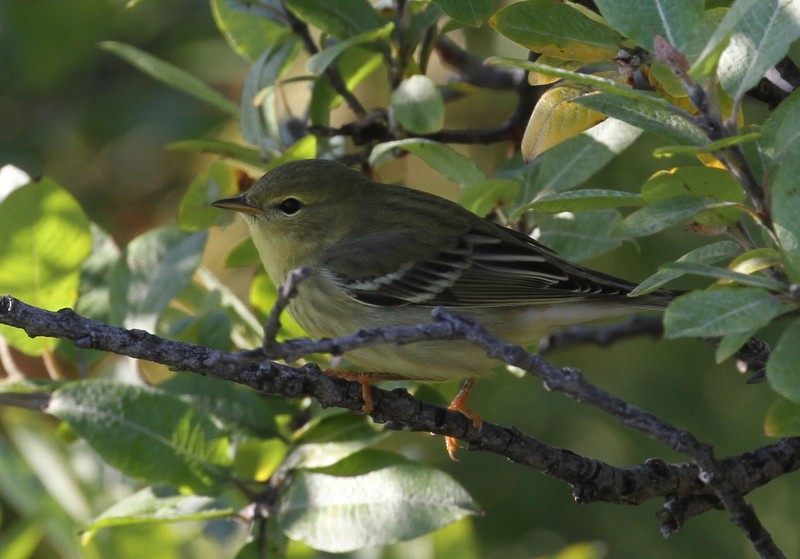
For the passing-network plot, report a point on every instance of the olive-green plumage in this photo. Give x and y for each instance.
(384, 255)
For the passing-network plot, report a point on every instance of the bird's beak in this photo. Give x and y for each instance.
(237, 204)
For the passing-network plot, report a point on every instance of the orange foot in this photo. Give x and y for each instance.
(459, 403)
(365, 379)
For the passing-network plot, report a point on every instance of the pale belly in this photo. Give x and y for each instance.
(439, 360)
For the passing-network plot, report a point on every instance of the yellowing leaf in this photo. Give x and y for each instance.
(556, 118)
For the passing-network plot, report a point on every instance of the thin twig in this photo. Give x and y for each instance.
(286, 292)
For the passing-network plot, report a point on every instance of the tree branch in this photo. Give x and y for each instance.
(593, 480)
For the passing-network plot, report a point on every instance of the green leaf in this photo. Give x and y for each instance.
(441, 157)
(355, 66)
(158, 265)
(665, 122)
(481, 198)
(583, 235)
(701, 181)
(95, 296)
(417, 105)
(783, 419)
(785, 212)
(558, 30)
(711, 147)
(239, 408)
(469, 12)
(575, 160)
(731, 343)
(760, 37)
(719, 312)
(146, 433)
(595, 82)
(243, 254)
(45, 237)
(708, 254)
(259, 120)
(586, 200)
(342, 18)
(263, 296)
(21, 537)
(157, 505)
(678, 21)
(171, 75)
(660, 215)
(781, 130)
(717, 272)
(317, 63)
(706, 62)
(394, 503)
(196, 212)
(237, 152)
(783, 367)
(333, 439)
(246, 31)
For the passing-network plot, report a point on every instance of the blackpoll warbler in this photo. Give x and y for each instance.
(383, 255)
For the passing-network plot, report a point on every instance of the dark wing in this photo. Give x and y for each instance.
(493, 266)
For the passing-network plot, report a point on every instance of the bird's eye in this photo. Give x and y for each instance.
(290, 206)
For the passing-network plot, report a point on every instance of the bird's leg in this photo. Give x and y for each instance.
(459, 403)
(365, 379)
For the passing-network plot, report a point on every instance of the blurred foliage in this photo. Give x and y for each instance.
(147, 111)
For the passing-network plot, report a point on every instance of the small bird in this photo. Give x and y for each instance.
(382, 255)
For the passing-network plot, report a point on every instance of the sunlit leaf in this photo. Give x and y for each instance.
(556, 118)
(45, 237)
(155, 505)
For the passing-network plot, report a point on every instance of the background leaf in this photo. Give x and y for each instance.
(719, 312)
(783, 372)
(468, 12)
(558, 30)
(171, 75)
(394, 503)
(145, 433)
(45, 236)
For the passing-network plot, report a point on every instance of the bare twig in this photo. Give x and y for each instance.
(286, 292)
